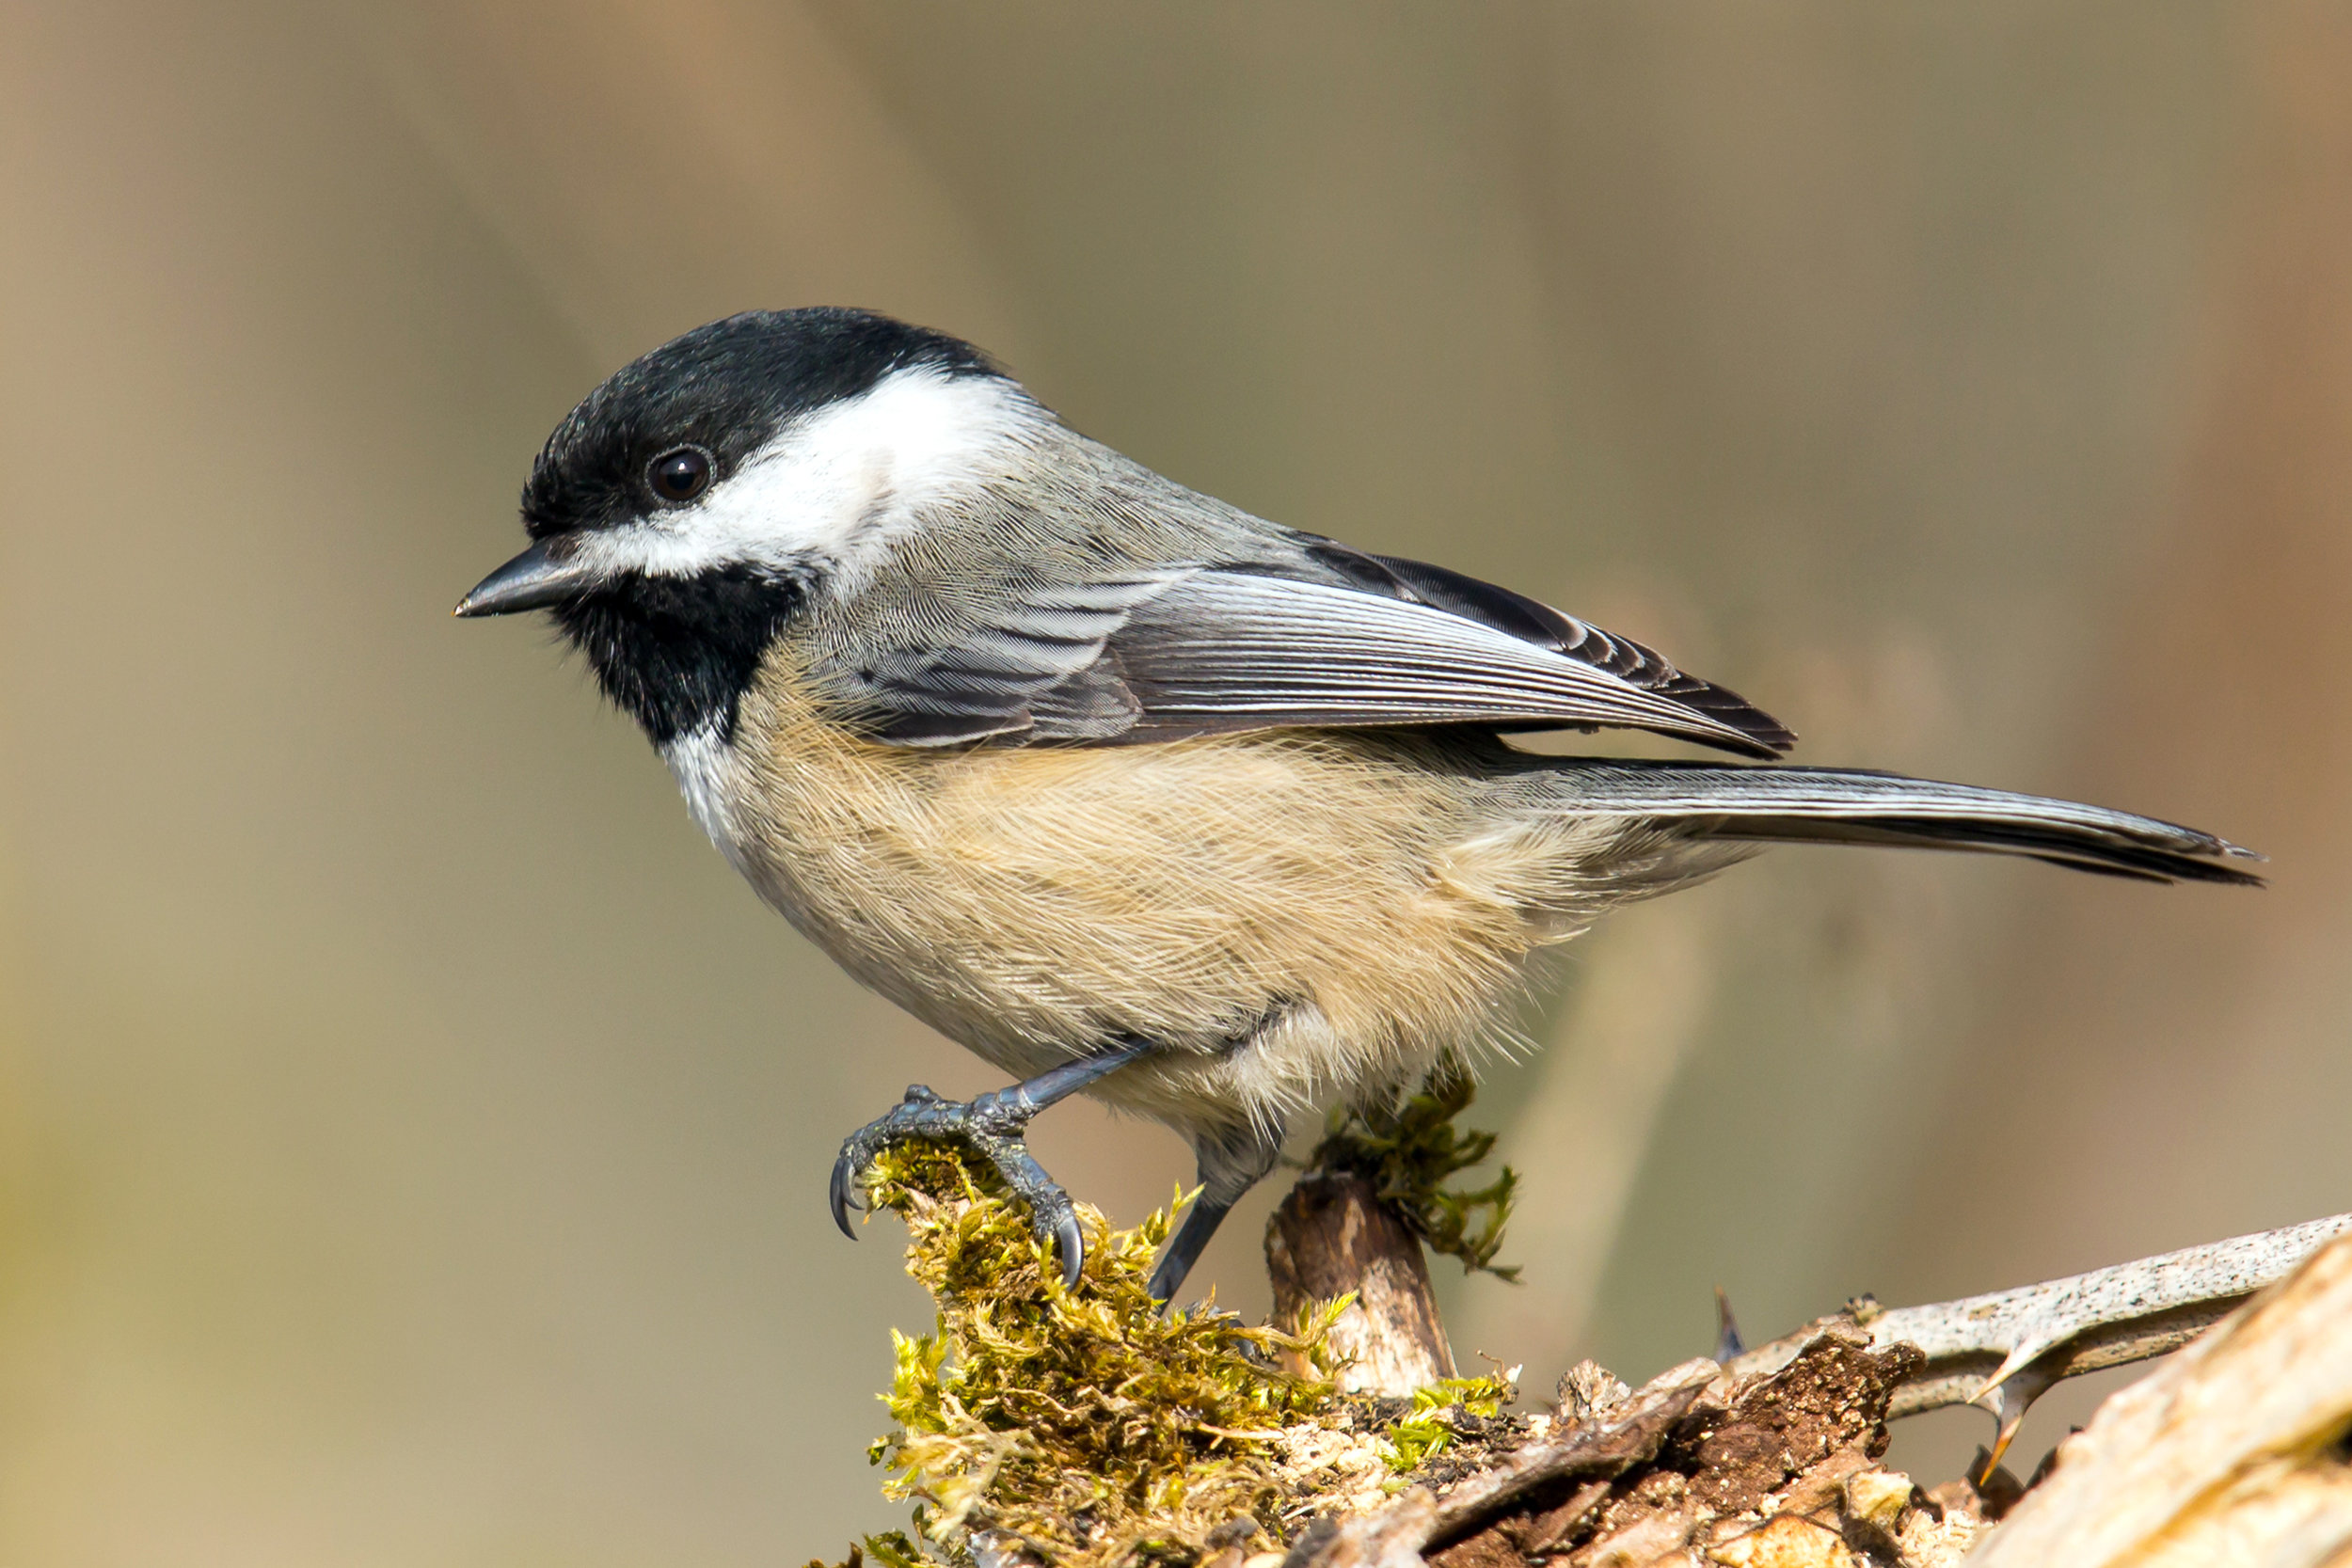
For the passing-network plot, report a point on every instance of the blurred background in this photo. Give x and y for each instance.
(412, 1136)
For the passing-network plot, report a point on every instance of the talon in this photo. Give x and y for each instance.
(843, 1173)
(1074, 1247)
(989, 1127)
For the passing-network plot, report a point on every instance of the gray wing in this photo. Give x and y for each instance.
(1334, 638)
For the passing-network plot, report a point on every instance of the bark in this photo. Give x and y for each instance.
(1333, 1237)
(2238, 1450)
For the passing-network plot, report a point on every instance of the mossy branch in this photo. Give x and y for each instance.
(1409, 1149)
(1081, 1425)
(1085, 1426)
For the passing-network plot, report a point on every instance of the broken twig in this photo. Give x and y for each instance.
(2004, 1351)
(2236, 1452)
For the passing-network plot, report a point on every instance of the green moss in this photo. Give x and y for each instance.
(1409, 1150)
(1085, 1427)
(892, 1549)
(1083, 1424)
(1425, 1431)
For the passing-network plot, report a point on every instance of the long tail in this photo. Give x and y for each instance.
(1763, 805)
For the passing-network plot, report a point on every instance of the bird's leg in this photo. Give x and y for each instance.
(993, 1126)
(1231, 1161)
(1183, 1248)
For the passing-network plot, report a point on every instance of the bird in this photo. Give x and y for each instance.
(1126, 790)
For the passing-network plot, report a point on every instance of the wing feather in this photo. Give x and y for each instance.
(1335, 639)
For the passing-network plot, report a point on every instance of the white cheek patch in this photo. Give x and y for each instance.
(838, 483)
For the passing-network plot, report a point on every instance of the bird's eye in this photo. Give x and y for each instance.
(680, 475)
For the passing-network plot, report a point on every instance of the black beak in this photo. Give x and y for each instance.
(532, 580)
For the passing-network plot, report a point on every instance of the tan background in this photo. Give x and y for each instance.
(412, 1138)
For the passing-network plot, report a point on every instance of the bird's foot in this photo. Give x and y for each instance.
(991, 1126)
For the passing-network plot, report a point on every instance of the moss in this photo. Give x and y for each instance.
(892, 1549)
(1425, 1429)
(1082, 1424)
(1085, 1427)
(1409, 1150)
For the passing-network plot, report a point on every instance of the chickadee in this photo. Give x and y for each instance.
(1124, 789)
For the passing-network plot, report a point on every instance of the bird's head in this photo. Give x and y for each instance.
(689, 507)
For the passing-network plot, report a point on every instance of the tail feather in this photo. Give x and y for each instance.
(1764, 806)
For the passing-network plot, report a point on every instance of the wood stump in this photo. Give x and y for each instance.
(1332, 1236)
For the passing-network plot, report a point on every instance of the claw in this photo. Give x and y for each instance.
(841, 1202)
(1073, 1242)
(906, 1119)
(991, 1127)
(1051, 1213)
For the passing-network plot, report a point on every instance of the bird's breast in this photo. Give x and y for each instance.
(1031, 902)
